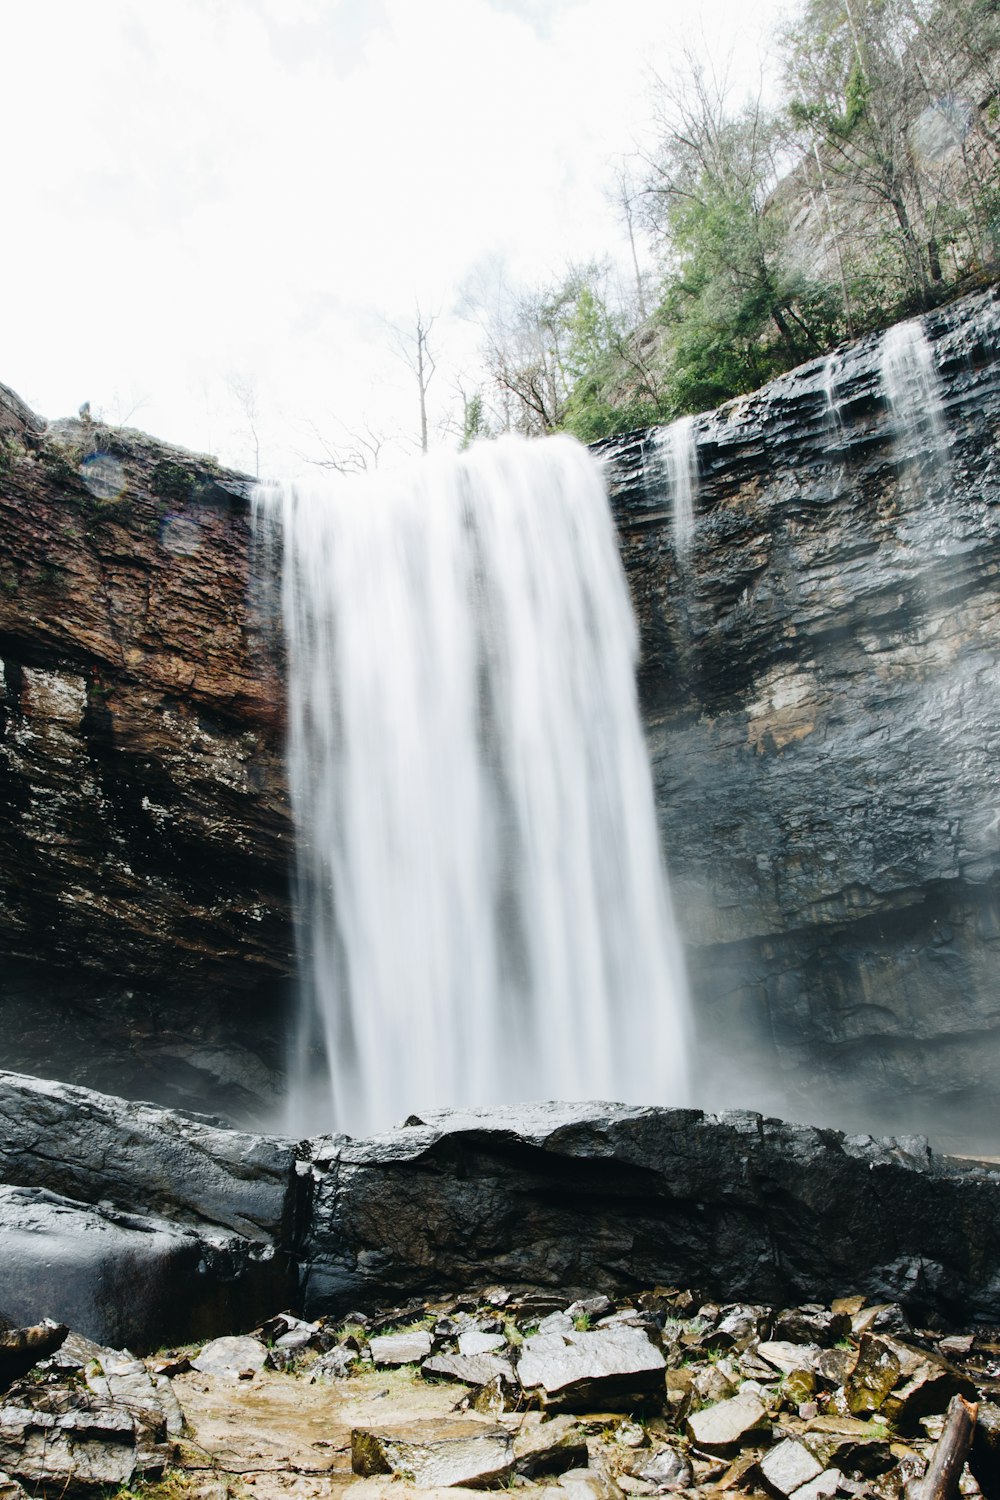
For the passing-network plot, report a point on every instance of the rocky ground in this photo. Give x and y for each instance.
(663, 1393)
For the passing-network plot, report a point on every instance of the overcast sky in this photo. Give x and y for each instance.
(207, 197)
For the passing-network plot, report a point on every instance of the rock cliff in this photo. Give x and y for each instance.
(820, 684)
(144, 930)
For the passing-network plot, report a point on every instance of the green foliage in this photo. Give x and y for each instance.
(475, 425)
(172, 481)
(735, 311)
(872, 193)
(856, 101)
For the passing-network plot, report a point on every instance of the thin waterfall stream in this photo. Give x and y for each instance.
(678, 445)
(913, 394)
(483, 915)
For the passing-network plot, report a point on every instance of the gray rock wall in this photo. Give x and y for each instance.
(137, 1225)
(821, 685)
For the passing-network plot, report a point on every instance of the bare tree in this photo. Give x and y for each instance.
(356, 451)
(243, 389)
(412, 345)
(627, 196)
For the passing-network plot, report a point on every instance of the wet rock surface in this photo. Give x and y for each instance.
(818, 677)
(143, 884)
(97, 1148)
(90, 1418)
(145, 1224)
(577, 1197)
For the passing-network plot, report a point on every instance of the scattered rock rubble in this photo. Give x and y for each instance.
(665, 1394)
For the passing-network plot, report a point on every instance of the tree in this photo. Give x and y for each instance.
(873, 85)
(564, 356)
(413, 347)
(243, 389)
(735, 307)
(356, 451)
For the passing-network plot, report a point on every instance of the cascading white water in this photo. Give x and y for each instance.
(913, 393)
(483, 912)
(831, 370)
(679, 448)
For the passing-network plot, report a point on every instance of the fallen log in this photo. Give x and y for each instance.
(948, 1459)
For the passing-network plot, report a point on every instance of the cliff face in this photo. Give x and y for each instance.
(820, 681)
(821, 688)
(144, 928)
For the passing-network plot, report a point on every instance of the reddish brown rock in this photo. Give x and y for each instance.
(144, 930)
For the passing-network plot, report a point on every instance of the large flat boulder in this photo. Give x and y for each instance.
(583, 1197)
(129, 1279)
(143, 1159)
(459, 1451)
(591, 1371)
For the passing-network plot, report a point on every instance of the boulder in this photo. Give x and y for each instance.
(570, 1197)
(113, 1375)
(729, 1424)
(903, 1384)
(787, 1357)
(549, 1445)
(823, 1487)
(471, 1369)
(335, 1364)
(740, 1325)
(787, 1466)
(393, 1349)
(597, 1370)
(445, 1452)
(984, 1460)
(72, 1442)
(475, 1342)
(667, 1469)
(96, 1148)
(849, 1445)
(21, 1348)
(812, 1324)
(559, 1198)
(233, 1355)
(587, 1484)
(123, 1278)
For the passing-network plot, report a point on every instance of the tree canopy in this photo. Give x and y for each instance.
(872, 191)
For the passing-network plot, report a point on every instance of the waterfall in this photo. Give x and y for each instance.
(833, 424)
(913, 394)
(679, 448)
(832, 419)
(912, 391)
(482, 911)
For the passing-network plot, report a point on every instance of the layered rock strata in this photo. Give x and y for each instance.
(144, 928)
(819, 679)
(821, 683)
(136, 1225)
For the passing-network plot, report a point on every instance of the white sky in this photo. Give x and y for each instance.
(203, 191)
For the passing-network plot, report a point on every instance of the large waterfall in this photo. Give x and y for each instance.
(483, 915)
